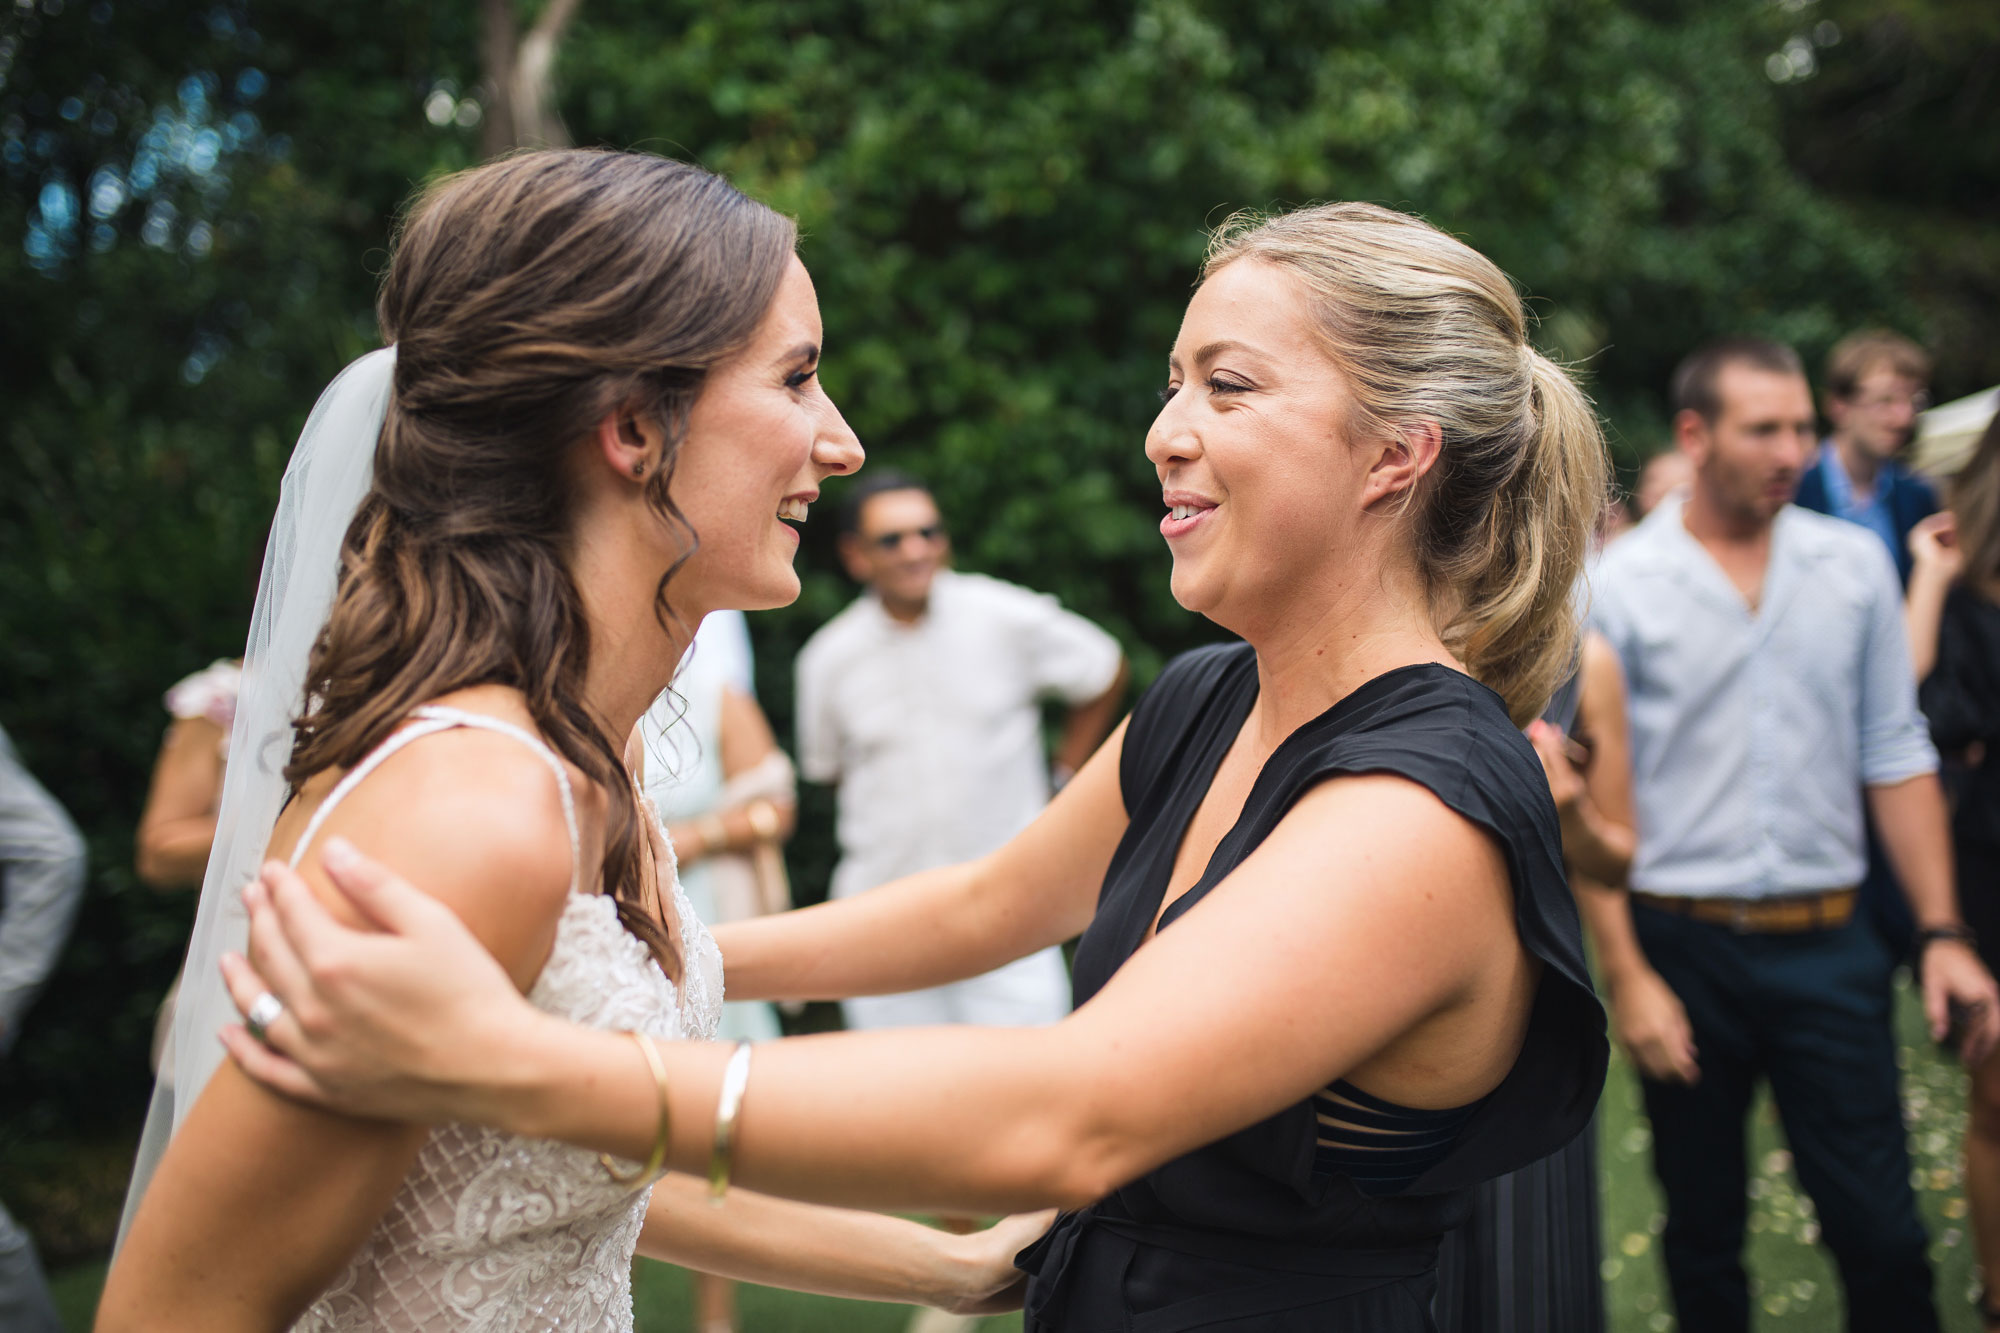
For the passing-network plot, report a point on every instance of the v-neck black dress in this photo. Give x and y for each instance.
(1243, 1234)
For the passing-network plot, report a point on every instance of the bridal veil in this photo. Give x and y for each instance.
(324, 484)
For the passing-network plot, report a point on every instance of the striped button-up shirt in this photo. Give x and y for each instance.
(1755, 731)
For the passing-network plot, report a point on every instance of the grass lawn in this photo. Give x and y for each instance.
(1793, 1281)
(1793, 1286)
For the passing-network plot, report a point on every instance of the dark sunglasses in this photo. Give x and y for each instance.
(889, 541)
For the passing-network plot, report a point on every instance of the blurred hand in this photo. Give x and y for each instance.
(993, 1284)
(1934, 545)
(411, 1021)
(1553, 748)
(1952, 973)
(1653, 1027)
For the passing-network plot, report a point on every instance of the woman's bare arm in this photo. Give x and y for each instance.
(1373, 929)
(831, 1251)
(259, 1200)
(1606, 823)
(177, 827)
(1595, 803)
(947, 924)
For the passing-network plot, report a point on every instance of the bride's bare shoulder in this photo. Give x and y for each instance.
(474, 817)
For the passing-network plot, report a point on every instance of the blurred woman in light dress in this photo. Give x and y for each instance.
(727, 795)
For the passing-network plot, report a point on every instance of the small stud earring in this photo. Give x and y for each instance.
(639, 469)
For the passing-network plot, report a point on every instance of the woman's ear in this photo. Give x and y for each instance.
(1401, 460)
(630, 443)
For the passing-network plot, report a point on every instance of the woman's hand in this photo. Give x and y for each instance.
(992, 1284)
(1934, 546)
(1553, 748)
(412, 1021)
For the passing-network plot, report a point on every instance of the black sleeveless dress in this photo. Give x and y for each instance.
(1243, 1234)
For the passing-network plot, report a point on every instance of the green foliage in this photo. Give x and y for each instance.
(1004, 205)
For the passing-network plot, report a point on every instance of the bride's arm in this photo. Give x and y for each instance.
(260, 1200)
(948, 924)
(832, 1251)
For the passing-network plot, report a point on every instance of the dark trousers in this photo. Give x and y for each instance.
(1810, 1012)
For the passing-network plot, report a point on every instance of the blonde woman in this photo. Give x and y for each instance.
(1331, 974)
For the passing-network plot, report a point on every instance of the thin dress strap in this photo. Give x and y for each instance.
(431, 719)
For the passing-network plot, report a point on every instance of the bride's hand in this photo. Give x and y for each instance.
(410, 1021)
(992, 1284)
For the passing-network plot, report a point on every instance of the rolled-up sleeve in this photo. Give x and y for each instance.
(41, 886)
(1895, 739)
(1066, 655)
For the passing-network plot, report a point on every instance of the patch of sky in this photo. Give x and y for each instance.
(158, 230)
(208, 350)
(188, 143)
(57, 205)
(241, 130)
(204, 151)
(52, 227)
(107, 192)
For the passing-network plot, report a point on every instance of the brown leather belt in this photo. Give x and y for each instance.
(1762, 916)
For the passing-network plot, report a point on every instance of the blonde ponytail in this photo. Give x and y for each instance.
(1516, 623)
(1426, 328)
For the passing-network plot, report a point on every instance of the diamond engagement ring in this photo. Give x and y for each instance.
(264, 1011)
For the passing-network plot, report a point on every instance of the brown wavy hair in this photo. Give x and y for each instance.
(1425, 327)
(527, 299)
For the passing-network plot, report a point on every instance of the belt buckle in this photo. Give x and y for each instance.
(1739, 915)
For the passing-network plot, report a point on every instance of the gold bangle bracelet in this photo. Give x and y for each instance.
(735, 1078)
(661, 1135)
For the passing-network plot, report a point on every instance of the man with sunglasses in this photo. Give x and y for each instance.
(922, 700)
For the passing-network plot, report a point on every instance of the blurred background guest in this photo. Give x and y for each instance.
(726, 793)
(724, 790)
(1954, 610)
(177, 827)
(922, 701)
(1875, 384)
(41, 886)
(1770, 682)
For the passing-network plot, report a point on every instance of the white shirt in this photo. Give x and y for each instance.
(1754, 732)
(933, 729)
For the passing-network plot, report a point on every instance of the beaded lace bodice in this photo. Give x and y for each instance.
(492, 1233)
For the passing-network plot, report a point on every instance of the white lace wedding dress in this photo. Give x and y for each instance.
(491, 1233)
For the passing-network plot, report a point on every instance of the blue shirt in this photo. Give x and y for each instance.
(1754, 732)
(1869, 509)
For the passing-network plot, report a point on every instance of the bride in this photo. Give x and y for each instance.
(598, 412)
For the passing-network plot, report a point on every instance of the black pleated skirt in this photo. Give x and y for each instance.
(1527, 1259)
